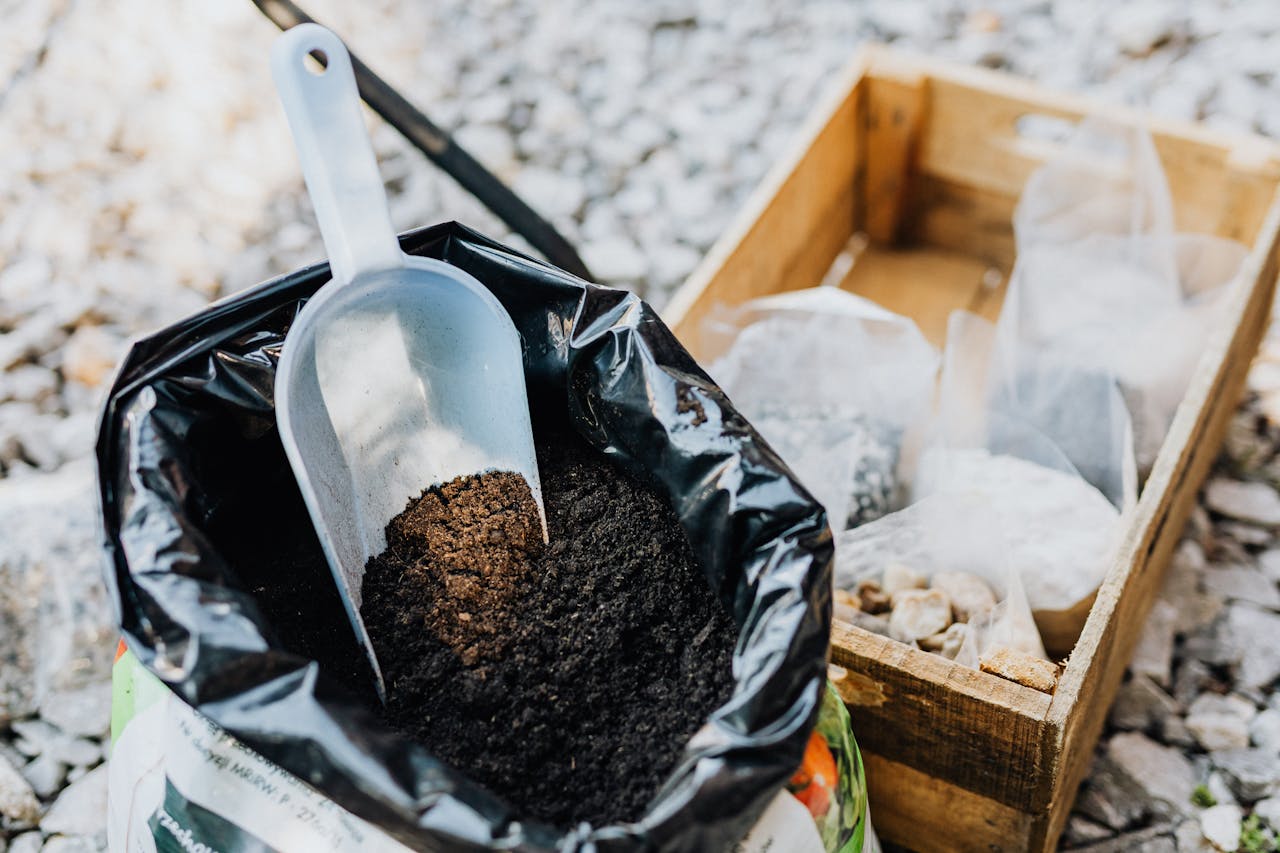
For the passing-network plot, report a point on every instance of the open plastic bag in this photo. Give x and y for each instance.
(1015, 427)
(945, 563)
(834, 383)
(229, 733)
(1103, 282)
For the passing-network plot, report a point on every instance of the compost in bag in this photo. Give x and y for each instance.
(567, 677)
(224, 597)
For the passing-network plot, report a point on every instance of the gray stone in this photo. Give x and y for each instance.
(1252, 773)
(1110, 798)
(1153, 656)
(1080, 831)
(1254, 502)
(1259, 658)
(1247, 534)
(1243, 583)
(1152, 839)
(1174, 732)
(1264, 731)
(81, 809)
(1141, 704)
(1163, 774)
(1192, 678)
(17, 800)
(1220, 825)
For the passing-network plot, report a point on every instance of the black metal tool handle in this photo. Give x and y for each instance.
(440, 148)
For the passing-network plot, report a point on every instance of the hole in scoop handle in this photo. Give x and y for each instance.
(333, 146)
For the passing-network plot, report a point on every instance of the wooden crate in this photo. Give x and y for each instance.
(928, 161)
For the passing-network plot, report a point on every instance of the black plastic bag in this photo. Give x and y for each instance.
(188, 454)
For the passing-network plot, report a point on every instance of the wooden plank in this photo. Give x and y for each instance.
(964, 727)
(1219, 181)
(796, 221)
(1094, 671)
(892, 127)
(921, 282)
(923, 813)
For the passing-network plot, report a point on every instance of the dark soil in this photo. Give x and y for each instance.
(566, 678)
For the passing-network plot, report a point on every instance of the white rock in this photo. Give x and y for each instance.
(1264, 731)
(1219, 731)
(27, 842)
(17, 800)
(84, 710)
(970, 595)
(74, 844)
(919, 613)
(1220, 825)
(548, 192)
(45, 774)
(1248, 501)
(1230, 705)
(1139, 27)
(899, 577)
(90, 356)
(616, 260)
(81, 809)
(1269, 811)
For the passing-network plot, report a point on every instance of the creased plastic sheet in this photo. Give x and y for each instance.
(193, 480)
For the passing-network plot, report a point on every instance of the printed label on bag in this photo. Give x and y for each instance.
(179, 783)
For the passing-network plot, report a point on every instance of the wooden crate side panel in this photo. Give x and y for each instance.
(962, 218)
(796, 222)
(893, 120)
(923, 813)
(961, 726)
(1096, 667)
(973, 140)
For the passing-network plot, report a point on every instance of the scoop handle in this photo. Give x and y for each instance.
(323, 108)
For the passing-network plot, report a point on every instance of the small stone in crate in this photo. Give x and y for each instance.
(919, 613)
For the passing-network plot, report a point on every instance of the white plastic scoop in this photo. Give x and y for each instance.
(401, 372)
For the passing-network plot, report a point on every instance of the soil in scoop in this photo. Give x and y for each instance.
(566, 678)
